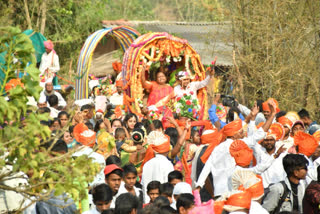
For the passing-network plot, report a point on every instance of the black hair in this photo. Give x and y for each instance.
(97, 126)
(173, 134)
(127, 117)
(185, 200)
(259, 104)
(125, 203)
(146, 124)
(89, 125)
(168, 210)
(137, 135)
(71, 129)
(318, 171)
(53, 100)
(175, 175)
(230, 114)
(118, 132)
(292, 162)
(102, 192)
(161, 201)
(86, 107)
(116, 120)
(113, 159)
(58, 146)
(44, 122)
(108, 211)
(109, 114)
(166, 189)
(61, 113)
(280, 114)
(129, 168)
(43, 110)
(51, 122)
(157, 124)
(151, 209)
(116, 171)
(153, 185)
(303, 113)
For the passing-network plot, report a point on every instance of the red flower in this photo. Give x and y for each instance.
(188, 102)
(184, 94)
(191, 92)
(179, 98)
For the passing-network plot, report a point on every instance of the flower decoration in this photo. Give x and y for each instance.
(187, 106)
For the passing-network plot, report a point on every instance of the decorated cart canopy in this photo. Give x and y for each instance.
(122, 36)
(160, 49)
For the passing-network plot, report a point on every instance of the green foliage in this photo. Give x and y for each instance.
(21, 140)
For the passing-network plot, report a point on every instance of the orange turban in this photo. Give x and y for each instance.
(316, 135)
(276, 130)
(256, 189)
(306, 143)
(119, 83)
(265, 106)
(208, 136)
(285, 121)
(218, 207)
(84, 135)
(241, 200)
(12, 84)
(117, 66)
(241, 153)
(214, 139)
(159, 143)
(232, 128)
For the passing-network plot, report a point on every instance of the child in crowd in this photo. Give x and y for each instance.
(175, 177)
(166, 190)
(130, 175)
(153, 191)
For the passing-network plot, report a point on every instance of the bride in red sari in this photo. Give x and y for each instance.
(159, 91)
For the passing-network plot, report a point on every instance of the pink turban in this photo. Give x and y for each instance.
(48, 44)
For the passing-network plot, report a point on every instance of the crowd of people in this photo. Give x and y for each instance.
(240, 160)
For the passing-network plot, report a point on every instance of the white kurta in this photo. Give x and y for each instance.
(221, 164)
(193, 86)
(61, 101)
(156, 169)
(116, 99)
(47, 61)
(256, 208)
(288, 143)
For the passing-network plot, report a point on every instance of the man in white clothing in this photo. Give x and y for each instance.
(220, 163)
(49, 65)
(156, 166)
(117, 98)
(44, 95)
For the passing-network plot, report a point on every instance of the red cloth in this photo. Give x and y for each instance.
(48, 44)
(157, 93)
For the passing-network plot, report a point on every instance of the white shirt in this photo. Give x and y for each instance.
(47, 62)
(275, 173)
(61, 101)
(156, 169)
(54, 112)
(116, 99)
(221, 164)
(193, 86)
(256, 208)
(92, 211)
(96, 158)
(288, 143)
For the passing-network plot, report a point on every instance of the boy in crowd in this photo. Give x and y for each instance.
(175, 177)
(113, 176)
(127, 203)
(153, 191)
(102, 197)
(166, 190)
(130, 177)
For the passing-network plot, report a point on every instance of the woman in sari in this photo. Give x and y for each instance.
(159, 91)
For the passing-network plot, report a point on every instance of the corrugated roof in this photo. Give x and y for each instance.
(209, 39)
